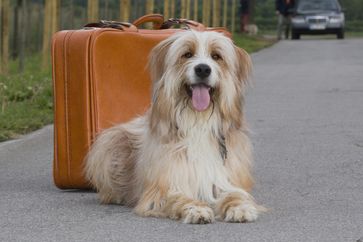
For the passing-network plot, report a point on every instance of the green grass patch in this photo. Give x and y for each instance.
(252, 43)
(26, 102)
(25, 99)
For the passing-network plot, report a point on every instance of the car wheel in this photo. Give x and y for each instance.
(340, 34)
(295, 36)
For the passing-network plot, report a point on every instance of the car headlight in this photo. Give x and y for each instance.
(298, 20)
(334, 19)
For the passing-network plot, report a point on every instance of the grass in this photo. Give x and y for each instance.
(252, 43)
(25, 99)
(26, 102)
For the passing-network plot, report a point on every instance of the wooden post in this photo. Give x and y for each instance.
(172, 9)
(125, 10)
(92, 11)
(50, 26)
(182, 8)
(166, 9)
(149, 6)
(204, 12)
(71, 13)
(23, 28)
(46, 33)
(233, 18)
(195, 10)
(209, 3)
(105, 10)
(225, 7)
(4, 61)
(55, 16)
(1, 41)
(187, 9)
(216, 13)
(16, 24)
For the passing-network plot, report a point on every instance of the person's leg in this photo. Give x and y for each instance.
(280, 23)
(287, 26)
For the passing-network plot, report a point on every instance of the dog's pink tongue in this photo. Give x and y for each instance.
(200, 98)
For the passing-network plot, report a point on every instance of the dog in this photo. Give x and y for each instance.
(251, 29)
(189, 157)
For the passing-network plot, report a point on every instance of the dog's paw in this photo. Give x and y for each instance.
(245, 212)
(198, 215)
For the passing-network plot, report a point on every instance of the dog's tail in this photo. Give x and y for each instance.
(111, 162)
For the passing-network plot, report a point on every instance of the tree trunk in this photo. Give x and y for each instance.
(92, 11)
(125, 10)
(195, 15)
(23, 28)
(216, 12)
(225, 11)
(166, 9)
(4, 62)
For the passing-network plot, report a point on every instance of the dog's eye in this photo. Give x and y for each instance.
(216, 57)
(188, 55)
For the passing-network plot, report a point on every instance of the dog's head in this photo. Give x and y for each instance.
(201, 70)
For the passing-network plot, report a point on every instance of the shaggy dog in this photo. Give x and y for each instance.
(189, 156)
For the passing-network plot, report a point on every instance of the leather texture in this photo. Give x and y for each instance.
(100, 79)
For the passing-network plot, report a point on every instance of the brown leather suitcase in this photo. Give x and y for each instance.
(100, 79)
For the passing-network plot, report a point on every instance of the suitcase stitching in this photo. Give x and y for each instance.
(67, 114)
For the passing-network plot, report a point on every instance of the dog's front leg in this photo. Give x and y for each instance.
(237, 207)
(156, 203)
(179, 206)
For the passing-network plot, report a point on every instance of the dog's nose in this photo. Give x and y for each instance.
(202, 70)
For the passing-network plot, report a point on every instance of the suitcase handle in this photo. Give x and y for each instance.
(112, 24)
(156, 19)
(158, 22)
(190, 24)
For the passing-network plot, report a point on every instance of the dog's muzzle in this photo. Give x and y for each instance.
(200, 91)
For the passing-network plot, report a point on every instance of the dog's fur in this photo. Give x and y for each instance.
(175, 161)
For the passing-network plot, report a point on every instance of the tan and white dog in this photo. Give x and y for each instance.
(189, 156)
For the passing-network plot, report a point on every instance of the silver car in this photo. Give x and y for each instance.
(318, 17)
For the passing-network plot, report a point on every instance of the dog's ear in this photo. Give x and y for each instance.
(157, 59)
(244, 65)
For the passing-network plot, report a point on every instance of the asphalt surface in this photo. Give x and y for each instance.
(306, 114)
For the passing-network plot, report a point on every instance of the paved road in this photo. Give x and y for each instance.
(306, 112)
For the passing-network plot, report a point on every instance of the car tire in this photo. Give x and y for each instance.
(340, 34)
(295, 36)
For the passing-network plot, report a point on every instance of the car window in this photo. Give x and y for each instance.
(317, 5)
